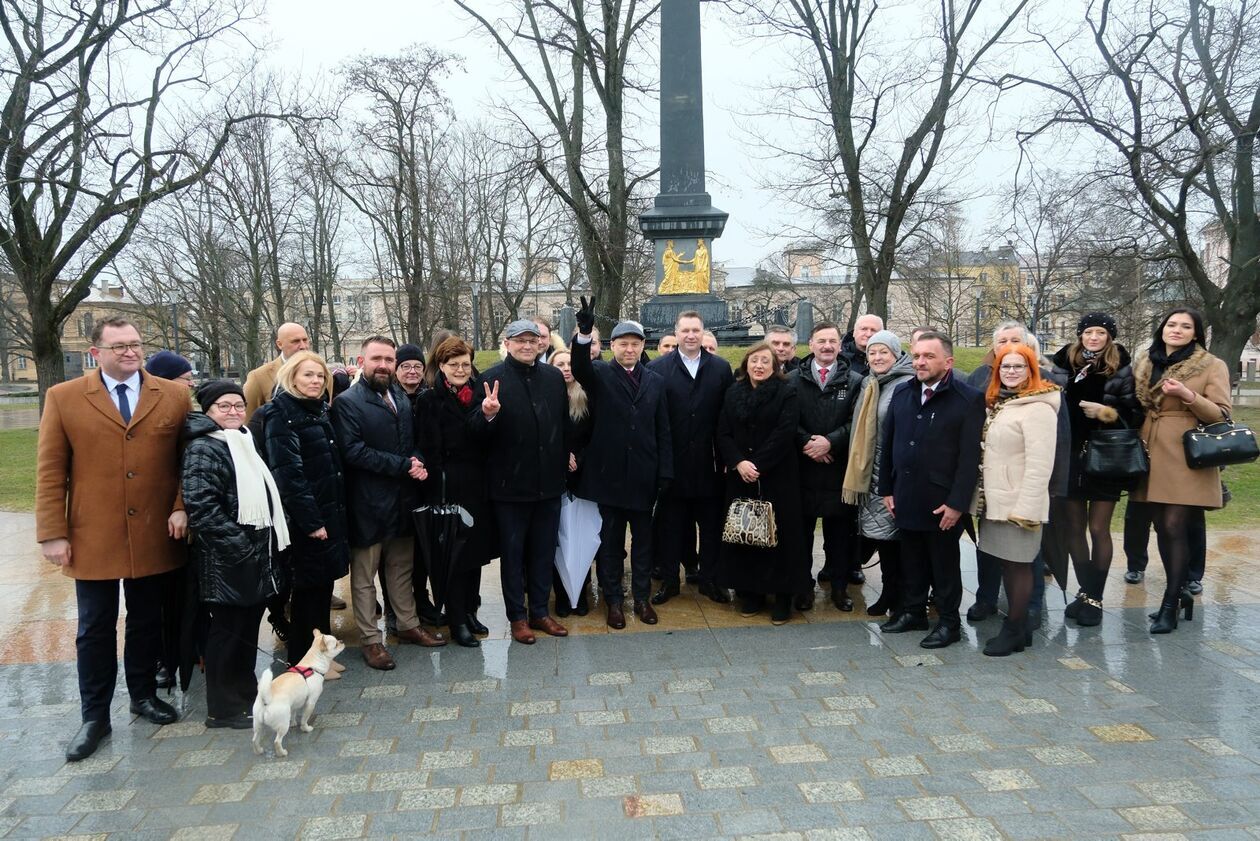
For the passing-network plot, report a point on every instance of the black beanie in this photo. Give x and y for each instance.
(210, 393)
(409, 353)
(167, 364)
(1097, 319)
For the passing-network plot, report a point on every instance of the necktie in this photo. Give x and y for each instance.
(822, 376)
(927, 394)
(124, 408)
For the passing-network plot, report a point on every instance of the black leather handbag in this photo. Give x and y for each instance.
(1219, 444)
(1116, 456)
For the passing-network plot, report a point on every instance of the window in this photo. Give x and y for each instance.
(86, 324)
(21, 363)
(336, 299)
(89, 361)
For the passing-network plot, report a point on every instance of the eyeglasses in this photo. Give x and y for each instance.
(411, 366)
(228, 408)
(1012, 368)
(121, 348)
(458, 366)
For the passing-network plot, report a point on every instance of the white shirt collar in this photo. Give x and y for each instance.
(132, 382)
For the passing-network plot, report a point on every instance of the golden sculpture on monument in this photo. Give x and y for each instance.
(680, 281)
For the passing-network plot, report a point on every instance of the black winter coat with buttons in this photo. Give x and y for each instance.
(301, 449)
(827, 411)
(631, 454)
(235, 563)
(694, 404)
(377, 444)
(528, 455)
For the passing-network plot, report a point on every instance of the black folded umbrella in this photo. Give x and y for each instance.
(1055, 555)
(441, 533)
(183, 624)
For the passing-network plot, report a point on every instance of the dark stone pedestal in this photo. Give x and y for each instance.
(659, 314)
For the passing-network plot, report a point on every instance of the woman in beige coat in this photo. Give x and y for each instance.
(1013, 499)
(1179, 385)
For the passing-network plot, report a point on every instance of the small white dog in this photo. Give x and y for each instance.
(299, 688)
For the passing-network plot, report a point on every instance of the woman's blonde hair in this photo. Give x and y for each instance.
(578, 406)
(286, 377)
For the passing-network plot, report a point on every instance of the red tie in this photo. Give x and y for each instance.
(927, 394)
(822, 376)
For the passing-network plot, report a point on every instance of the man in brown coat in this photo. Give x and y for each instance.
(260, 384)
(108, 508)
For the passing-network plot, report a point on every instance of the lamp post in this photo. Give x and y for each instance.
(978, 292)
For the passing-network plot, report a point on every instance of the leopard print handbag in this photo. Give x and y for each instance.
(750, 522)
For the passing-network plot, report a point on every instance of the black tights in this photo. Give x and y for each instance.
(1172, 533)
(1018, 579)
(1090, 558)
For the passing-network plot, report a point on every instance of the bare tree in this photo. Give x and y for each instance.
(940, 291)
(1172, 95)
(881, 113)
(92, 134)
(560, 49)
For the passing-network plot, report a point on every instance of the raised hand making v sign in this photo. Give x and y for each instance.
(585, 316)
(490, 405)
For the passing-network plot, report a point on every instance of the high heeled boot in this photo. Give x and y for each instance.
(1165, 619)
(1010, 639)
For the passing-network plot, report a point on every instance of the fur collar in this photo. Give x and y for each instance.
(1148, 393)
(1048, 394)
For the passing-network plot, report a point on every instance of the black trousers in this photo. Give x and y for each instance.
(528, 532)
(462, 595)
(97, 640)
(308, 611)
(1137, 534)
(839, 542)
(931, 558)
(678, 520)
(610, 562)
(231, 651)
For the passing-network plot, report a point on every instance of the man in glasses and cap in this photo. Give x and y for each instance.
(629, 461)
(525, 410)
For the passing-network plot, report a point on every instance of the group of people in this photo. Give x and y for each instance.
(278, 488)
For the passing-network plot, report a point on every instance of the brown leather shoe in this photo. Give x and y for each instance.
(616, 617)
(549, 626)
(375, 655)
(646, 614)
(521, 632)
(419, 636)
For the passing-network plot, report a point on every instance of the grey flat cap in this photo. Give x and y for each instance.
(627, 328)
(520, 327)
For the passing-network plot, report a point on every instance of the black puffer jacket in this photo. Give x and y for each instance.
(306, 464)
(377, 444)
(235, 563)
(856, 358)
(826, 411)
(1116, 391)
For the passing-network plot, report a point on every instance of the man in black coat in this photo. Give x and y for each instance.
(628, 462)
(853, 346)
(695, 385)
(825, 394)
(526, 413)
(931, 443)
(375, 433)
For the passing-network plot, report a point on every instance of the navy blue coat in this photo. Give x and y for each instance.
(932, 451)
(631, 452)
(528, 455)
(694, 405)
(376, 444)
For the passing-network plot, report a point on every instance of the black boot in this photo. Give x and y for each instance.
(782, 610)
(1074, 609)
(1166, 617)
(463, 635)
(1011, 639)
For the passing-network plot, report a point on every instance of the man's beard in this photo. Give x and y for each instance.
(378, 382)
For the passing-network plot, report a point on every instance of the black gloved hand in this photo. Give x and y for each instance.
(586, 316)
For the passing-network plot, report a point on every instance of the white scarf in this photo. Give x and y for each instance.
(254, 486)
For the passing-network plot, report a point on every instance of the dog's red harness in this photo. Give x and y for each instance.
(304, 671)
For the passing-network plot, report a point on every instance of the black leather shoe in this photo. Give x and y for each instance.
(805, 602)
(87, 740)
(857, 577)
(562, 608)
(240, 721)
(715, 593)
(840, 598)
(155, 710)
(463, 635)
(823, 576)
(693, 578)
(903, 622)
(583, 605)
(164, 678)
(475, 626)
(668, 590)
(980, 611)
(941, 637)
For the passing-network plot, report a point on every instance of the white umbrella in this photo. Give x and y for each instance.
(579, 539)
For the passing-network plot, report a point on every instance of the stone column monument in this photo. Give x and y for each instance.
(683, 223)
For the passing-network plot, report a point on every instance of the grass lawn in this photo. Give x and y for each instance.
(17, 469)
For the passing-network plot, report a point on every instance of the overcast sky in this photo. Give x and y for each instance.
(313, 36)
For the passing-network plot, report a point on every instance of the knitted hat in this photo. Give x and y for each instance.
(409, 353)
(210, 393)
(167, 365)
(1097, 319)
(888, 339)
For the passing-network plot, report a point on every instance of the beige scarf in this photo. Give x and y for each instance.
(857, 475)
